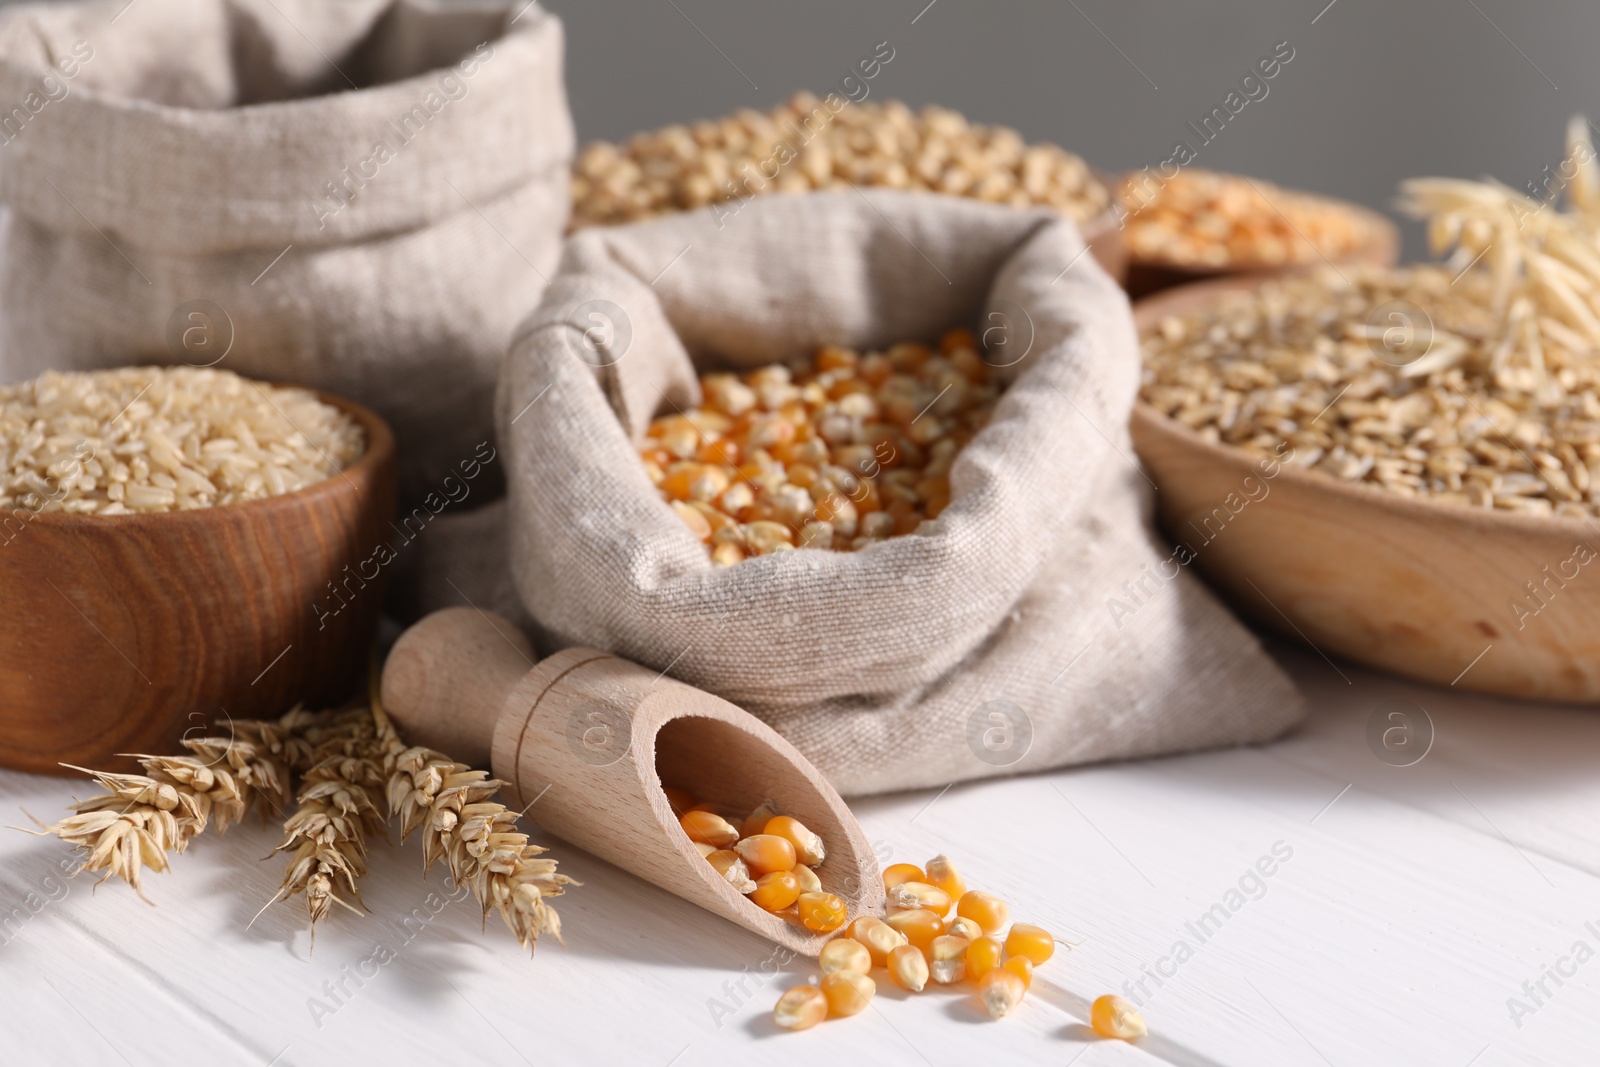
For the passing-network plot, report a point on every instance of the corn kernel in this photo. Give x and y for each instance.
(775, 891)
(726, 555)
(800, 1008)
(756, 821)
(961, 927)
(1111, 1016)
(911, 895)
(705, 849)
(808, 848)
(1000, 991)
(942, 873)
(709, 827)
(848, 992)
(822, 912)
(900, 873)
(765, 853)
(680, 800)
(693, 519)
(983, 956)
(919, 926)
(985, 909)
(732, 868)
(1033, 942)
(1022, 967)
(844, 954)
(809, 882)
(878, 936)
(908, 968)
(947, 958)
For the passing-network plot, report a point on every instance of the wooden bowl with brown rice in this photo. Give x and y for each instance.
(1494, 589)
(125, 627)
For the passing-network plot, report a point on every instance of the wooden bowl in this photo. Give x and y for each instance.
(121, 633)
(1432, 591)
(1146, 276)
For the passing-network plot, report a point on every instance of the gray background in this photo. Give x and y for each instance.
(1377, 91)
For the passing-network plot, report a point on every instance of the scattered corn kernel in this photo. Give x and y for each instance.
(1033, 942)
(983, 956)
(985, 909)
(681, 800)
(942, 873)
(848, 992)
(844, 954)
(910, 895)
(919, 926)
(963, 927)
(765, 853)
(1000, 991)
(705, 849)
(878, 936)
(1111, 1016)
(1022, 967)
(909, 968)
(800, 1008)
(809, 882)
(822, 912)
(900, 873)
(756, 821)
(808, 847)
(709, 827)
(947, 958)
(775, 891)
(730, 866)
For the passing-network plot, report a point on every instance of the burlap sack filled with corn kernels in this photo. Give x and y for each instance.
(982, 643)
(362, 196)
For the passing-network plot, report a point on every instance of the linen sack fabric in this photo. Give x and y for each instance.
(981, 644)
(361, 196)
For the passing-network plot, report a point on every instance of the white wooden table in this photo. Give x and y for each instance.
(1413, 904)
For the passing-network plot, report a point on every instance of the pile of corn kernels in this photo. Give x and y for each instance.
(681, 168)
(1203, 220)
(840, 454)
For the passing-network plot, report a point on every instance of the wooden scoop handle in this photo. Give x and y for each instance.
(448, 677)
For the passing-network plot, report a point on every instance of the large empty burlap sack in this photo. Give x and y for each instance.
(990, 640)
(362, 196)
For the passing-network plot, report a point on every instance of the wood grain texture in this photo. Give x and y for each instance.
(121, 632)
(587, 740)
(1424, 589)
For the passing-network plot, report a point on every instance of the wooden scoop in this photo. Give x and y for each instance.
(587, 740)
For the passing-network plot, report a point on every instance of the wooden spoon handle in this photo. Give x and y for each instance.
(448, 677)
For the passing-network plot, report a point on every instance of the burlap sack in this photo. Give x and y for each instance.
(362, 196)
(987, 642)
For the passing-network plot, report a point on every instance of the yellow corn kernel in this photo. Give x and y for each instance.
(942, 873)
(947, 958)
(726, 555)
(1111, 1016)
(731, 867)
(910, 895)
(681, 800)
(848, 992)
(900, 873)
(709, 827)
(983, 956)
(963, 928)
(765, 853)
(985, 909)
(1022, 967)
(1000, 991)
(908, 968)
(844, 954)
(919, 926)
(878, 936)
(800, 1008)
(822, 912)
(1035, 943)
(756, 821)
(808, 847)
(705, 849)
(775, 891)
(693, 519)
(809, 882)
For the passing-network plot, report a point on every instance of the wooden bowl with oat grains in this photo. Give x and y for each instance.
(1397, 466)
(177, 547)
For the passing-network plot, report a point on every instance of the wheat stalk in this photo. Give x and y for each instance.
(461, 824)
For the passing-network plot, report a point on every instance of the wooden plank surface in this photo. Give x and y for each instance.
(1403, 908)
